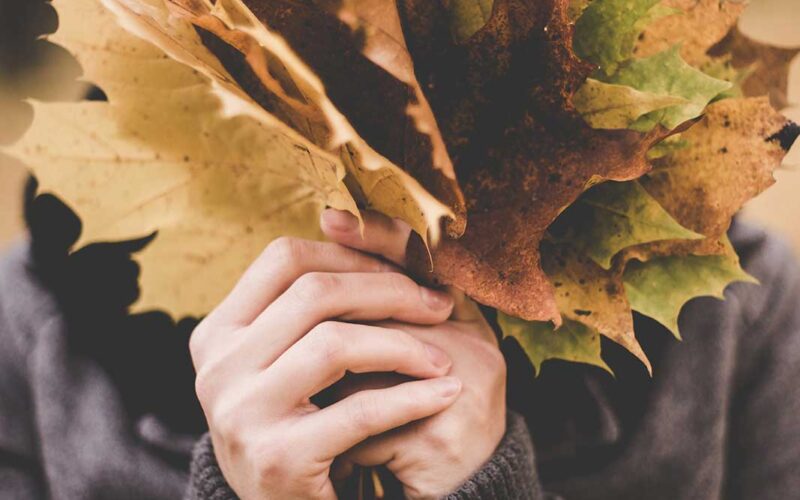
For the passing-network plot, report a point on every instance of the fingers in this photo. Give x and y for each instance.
(316, 297)
(370, 413)
(382, 236)
(281, 263)
(334, 348)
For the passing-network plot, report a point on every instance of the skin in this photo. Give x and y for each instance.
(345, 307)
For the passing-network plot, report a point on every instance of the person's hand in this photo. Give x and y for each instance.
(272, 344)
(433, 456)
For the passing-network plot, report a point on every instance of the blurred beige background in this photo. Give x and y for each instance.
(777, 209)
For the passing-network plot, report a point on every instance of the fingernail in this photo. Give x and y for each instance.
(448, 386)
(436, 300)
(339, 220)
(438, 357)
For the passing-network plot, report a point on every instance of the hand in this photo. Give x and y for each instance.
(272, 344)
(431, 457)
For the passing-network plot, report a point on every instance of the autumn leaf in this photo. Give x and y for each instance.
(695, 26)
(610, 106)
(163, 156)
(667, 74)
(572, 342)
(588, 294)
(377, 25)
(767, 66)
(522, 152)
(731, 155)
(614, 216)
(607, 30)
(660, 287)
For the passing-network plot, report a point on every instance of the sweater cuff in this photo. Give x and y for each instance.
(510, 473)
(206, 481)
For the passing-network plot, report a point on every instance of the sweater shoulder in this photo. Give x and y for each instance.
(771, 260)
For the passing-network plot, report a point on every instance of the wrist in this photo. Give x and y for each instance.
(509, 473)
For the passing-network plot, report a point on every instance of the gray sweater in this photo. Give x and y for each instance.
(719, 419)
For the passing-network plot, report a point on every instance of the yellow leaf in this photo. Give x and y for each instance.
(386, 187)
(588, 294)
(179, 152)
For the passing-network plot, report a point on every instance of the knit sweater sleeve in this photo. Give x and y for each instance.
(509, 474)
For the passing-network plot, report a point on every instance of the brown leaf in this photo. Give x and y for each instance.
(521, 151)
(732, 154)
(698, 25)
(770, 66)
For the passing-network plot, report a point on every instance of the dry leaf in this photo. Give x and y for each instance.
(731, 155)
(522, 153)
(698, 26)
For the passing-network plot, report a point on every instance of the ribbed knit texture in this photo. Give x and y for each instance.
(509, 474)
(206, 480)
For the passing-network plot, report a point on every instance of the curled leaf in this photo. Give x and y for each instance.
(609, 106)
(667, 74)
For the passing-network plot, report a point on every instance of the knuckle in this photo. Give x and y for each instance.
(363, 412)
(270, 458)
(399, 283)
(286, 252)
(206, 382)
(197, 341)
(327, 342)
(313, 287)
(444, 437)
(202, 387)
(225, 419)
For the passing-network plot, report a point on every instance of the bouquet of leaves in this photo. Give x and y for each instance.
(565, 162)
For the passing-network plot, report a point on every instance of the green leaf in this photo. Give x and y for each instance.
(574, 341)
(467, 17)
(606, 32)
(610, 106)
(617, 215)
(667, 74)
(660, 287)
(722, 69)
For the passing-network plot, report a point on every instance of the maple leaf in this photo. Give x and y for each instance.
(607, 30)
(265, 34)
(660, 287)
(572, 342)
(614, 216)
(666, 73)
(730, 158)
(522, 152)
(611, 106)
(767, 66)
(591, 295)
(379, 33)
(162, 156)
(695, 25)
